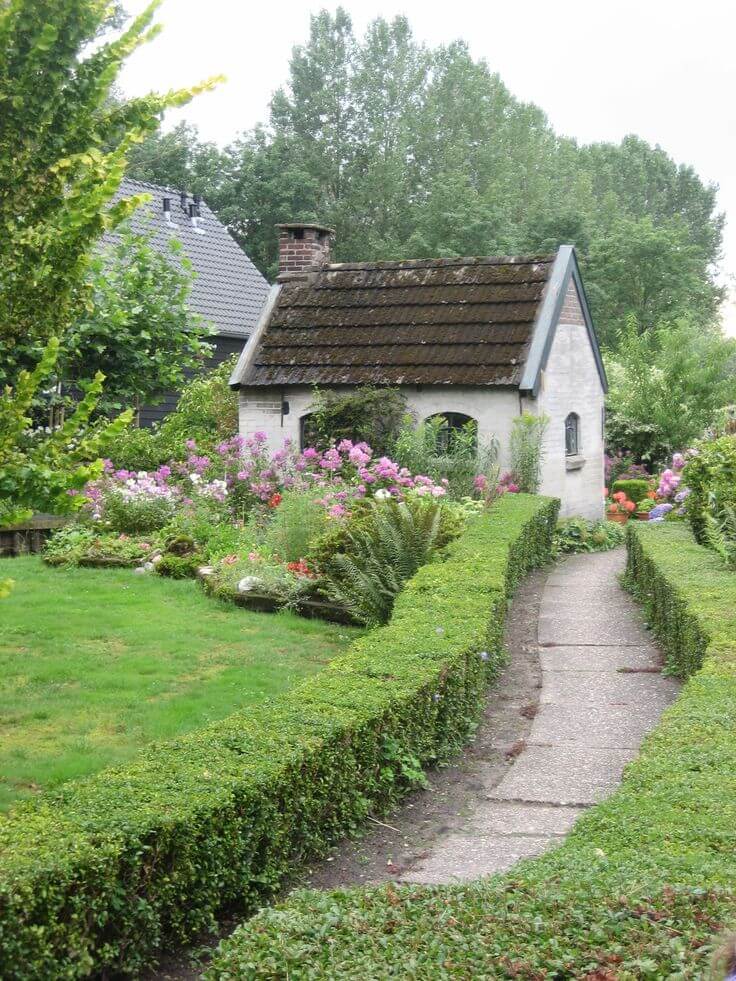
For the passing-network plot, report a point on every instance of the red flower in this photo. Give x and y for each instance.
(274, 500)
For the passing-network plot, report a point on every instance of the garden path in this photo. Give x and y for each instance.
(601, 692)
(582, 688)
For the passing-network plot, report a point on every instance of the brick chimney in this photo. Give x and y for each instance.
(303, 248)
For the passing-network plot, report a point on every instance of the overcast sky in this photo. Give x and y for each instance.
(663, 69)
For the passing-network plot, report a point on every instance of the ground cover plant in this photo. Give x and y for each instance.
(97, 666)
(96, 876)
(644, 885)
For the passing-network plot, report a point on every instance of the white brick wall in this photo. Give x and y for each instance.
(494, 410)
(571, 384)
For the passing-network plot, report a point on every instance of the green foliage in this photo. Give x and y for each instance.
(442, 452)
(139, 329)
(636, 490)
(207, 412)
(137, 515)
(667, 385)
(393, 540)
(526, 454)
(56, 183)
(581, 535)
(78, 545)
(96, 876)
(202, 524)
(412, 151)
(294, 525)
(179, 566)
(643, 885)
(710, 475)
(369, 415)
(39, 472)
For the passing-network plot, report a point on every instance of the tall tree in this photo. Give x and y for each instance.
(139, 331)
(63, 144)
(412, 151)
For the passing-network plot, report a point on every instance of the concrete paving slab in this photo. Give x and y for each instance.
(603, 630)
(608, 688)
(564, 774)
(592, 658)
(466, 857)
(602, 726)
(537, 820)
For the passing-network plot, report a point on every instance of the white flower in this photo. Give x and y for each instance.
(382, 494)
(195, 478)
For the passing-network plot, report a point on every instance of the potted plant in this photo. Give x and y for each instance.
(619, 508)
(644, 507)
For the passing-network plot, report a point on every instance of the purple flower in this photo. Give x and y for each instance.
(659, 511)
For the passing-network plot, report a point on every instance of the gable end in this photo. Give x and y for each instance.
(565, 300)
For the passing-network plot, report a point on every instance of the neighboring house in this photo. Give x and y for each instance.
(227, 290)
(483, 339)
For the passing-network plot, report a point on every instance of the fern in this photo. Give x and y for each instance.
(382, 556)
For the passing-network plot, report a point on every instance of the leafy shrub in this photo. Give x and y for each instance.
(96, 876)
(137, 515)
(393, 541)
(642, 886)
(710, 475)
(207, 412)
(580, 535)
(295, 523)
(445, 454)
(367, 414)
(259, 576)
(179, 566)
(80, 545)
(527, 434)
(635, 490)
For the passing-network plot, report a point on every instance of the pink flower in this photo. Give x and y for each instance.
(480, 482)
(337, 511)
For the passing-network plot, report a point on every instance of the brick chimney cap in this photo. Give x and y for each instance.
(306, 224)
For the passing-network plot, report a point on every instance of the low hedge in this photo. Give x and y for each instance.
(641, 888)
(635, 488)
(96, 877)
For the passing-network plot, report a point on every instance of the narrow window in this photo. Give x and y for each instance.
(572, 434)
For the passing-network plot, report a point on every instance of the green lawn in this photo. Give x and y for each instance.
(96, 664)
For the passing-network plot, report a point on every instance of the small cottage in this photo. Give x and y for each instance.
(481, 339)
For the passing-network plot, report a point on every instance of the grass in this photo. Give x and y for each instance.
(95, 665)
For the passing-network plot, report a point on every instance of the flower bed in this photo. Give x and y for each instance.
(96, 877)
(641, 888)
(309, 530)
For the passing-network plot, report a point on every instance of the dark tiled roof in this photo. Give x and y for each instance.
(227, 290)
(436, 321)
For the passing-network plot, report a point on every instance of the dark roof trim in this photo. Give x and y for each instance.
(254, 341)
(565, 267)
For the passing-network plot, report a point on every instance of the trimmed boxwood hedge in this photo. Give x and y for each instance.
(98, 876)
(641, 888)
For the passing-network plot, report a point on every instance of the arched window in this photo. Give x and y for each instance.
(572, 434)
(456, 433)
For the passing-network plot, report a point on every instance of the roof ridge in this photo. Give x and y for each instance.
(155, 187)
(504, 260)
